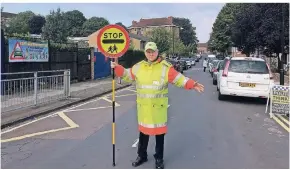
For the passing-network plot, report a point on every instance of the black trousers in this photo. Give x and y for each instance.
(204, 68)
(143, 144)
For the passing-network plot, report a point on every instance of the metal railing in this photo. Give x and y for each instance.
(25, 89)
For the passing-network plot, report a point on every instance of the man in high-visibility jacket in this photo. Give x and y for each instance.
(152, 77)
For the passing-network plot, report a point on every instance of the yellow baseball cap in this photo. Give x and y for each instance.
(151, 45)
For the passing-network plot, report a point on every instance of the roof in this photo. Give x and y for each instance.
(7, 15)
(153, 22)
(78, 38)
(138, 37)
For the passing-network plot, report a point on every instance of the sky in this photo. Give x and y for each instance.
(202, 16)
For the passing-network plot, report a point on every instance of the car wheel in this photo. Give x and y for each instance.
(220, 96)
(217, 88)
(214, 82)
(181, 72)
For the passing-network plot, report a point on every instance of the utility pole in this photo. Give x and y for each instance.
(172, 40)
(282, 48)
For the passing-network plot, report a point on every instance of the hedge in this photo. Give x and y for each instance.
(131, 57)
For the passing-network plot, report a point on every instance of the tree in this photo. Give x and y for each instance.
(271, 26)
(162, 38)
(120, 23)
(93, 24)
(259, 26)
(55, 27)
(19, 23)
(75, 20)
(179, 47)
(35, 24)
(243, 29)
(220, 38)
(187, 33)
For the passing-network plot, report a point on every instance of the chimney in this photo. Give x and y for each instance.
(170, 18)
(134, 23)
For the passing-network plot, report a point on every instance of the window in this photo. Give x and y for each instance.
(215, 63)
(223, 63)
(248, 66)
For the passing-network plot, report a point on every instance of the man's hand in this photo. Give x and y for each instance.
(113, 64)
(198, 87)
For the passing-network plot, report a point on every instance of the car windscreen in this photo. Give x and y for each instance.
(215, 63)
(212, 59)
(248, 66)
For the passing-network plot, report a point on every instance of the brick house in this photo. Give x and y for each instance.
(144, 26)
(202, 48)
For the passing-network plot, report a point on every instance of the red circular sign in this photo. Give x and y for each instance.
(113, 41)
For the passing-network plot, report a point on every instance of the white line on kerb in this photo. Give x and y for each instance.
(56, 113)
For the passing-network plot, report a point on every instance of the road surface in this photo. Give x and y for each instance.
(203, 133)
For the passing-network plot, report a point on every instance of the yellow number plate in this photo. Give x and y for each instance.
(247, 85)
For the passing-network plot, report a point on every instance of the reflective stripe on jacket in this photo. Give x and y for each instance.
(152, 92)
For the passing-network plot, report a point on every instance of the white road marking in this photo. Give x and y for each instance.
(126, 95)
(110, 101)
(96, 108)
(132, 90)
(135, 144)
(61, 114)
(54, 114)
(168, 105)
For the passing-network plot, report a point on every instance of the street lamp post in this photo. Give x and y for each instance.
(282, 48)
(173, 39)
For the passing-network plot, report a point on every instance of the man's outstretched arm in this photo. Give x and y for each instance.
(181, 81)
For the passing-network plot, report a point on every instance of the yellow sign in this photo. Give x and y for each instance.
(113, 41)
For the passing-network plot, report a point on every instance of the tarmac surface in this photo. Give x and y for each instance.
(203, 133)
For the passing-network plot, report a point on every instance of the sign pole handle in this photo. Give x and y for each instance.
(113, 105)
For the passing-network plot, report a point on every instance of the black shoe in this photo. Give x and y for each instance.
(139, 161)
(159, 164)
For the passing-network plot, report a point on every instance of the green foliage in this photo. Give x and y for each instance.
(131, 47)
(131, 57)
(121, 24)
(179, 47)
(35, 23)
(26, 37)
(250, 26)
(220, 38)
(83, 44)
(55, 28)
(75, 20)
(188, 32)
(162, 38)
(19, 23)
(93, 24)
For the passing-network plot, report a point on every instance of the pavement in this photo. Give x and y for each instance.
(204, 133)
(80, 92)
(277, 79)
